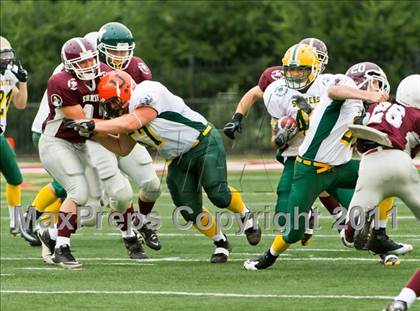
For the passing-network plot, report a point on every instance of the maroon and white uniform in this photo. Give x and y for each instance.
(63, 151)
(137, 165)
(270, 75)
(389, 171)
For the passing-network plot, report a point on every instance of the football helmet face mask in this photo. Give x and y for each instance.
(321, 51)
(301, 66)
(7, 55)
(365, 73)
(408, 91)
(116, 45)
(115, 89)
(81, 58)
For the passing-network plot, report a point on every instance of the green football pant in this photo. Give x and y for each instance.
(306, 187)
(202, 166)
(58, 189)
(8, 164)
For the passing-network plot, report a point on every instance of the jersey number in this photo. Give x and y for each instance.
(4, 102)
(394, 114)
(155, 141)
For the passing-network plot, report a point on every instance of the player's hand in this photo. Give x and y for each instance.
(302, 104)
(85, 127)
(233, 126)
(20, 73)
(284, 134)
(377, 97)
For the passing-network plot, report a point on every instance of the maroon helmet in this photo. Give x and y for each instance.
(365, 72)
(321, 51)
(74, 55)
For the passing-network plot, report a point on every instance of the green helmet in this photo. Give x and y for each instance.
(115, 45)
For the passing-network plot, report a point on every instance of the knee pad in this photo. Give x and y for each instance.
(59, 190)
(219, 195)
(78, 194)
(119, 192)
(90, 214)
(150, 191)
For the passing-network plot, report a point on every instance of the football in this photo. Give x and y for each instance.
(287, 122)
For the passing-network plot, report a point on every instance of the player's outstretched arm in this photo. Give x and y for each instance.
(343, 92)
(120, 145)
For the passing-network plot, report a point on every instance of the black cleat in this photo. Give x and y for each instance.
(48, 245)
(30, 234)
(361, 236)
(263, 262)
(63, 257)
(134, 248)
(397, 305)
(253, 235)
(221, 252)
(150, 237)
(380, 244)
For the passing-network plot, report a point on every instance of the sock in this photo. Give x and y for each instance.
(52, 212)
(127, 216)
(414, 283)
(236, 204)
(278, 246)
(61, 240)
(45, 197)
(128, 233)
(63, 229)
(53, 233)
(13, 196)
(330, 204)
(212, 231)
(145, 207)
(13, 216)
(384, 208)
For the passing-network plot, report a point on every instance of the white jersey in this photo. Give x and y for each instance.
(279, 101)
(328, 137)
(8, 83)
(176, 127)
(43, 109)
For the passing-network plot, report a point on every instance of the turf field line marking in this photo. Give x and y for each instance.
(7, 274)
(42, 269)
(126, 264)
(188, 259)
(176, 293)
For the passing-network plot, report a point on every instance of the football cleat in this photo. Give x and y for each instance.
(361, 236)
(397, 305)
(380, 244)
(134, 248)
(62, 256)
(253, 235)
(30, 234)
(390, 260)
(263, 262)
(14, 230)
(221, 252)
(47, 244)
(150, 237)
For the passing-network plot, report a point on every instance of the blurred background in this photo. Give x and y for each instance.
(211, 52)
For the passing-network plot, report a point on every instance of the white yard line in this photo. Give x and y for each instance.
(200, 294)
(7, 274)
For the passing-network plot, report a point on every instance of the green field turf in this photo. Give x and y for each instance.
(322, 276)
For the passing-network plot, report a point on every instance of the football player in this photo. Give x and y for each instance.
(116, 45)
(389, 138)
(407, 296)
(13, 85)
(270, 75)
(323, 160)
(72, 94)
(194, 149)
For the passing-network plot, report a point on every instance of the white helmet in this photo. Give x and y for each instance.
(92, 37)
(408, 91)
(7, 54)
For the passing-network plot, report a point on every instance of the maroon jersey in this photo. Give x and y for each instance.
(269, 75)
(401, 123)
(138, 70)
(65, 89)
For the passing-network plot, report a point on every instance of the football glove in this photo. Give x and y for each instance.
(302, 104)
(84, 127)
(20, 73)
(284, 134)
(233, 126)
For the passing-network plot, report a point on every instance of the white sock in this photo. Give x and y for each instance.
(53, 233)
(273, 252)
(382, 223)
(128, 233)
(61, 240)
(244, 212)
(12, 216)
(407, 295)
